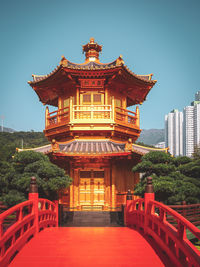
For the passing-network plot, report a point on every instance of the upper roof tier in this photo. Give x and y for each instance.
(67, 76)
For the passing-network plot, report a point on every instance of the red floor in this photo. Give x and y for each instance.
(87, 246)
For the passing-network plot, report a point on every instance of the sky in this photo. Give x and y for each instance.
(158, 36)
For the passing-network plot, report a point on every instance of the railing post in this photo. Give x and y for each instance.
(127, 209)
(184, 209)
(148, 196)
(33, 195)
(56, 204)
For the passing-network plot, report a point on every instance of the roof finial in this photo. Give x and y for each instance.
(92, 40)
(91, 51)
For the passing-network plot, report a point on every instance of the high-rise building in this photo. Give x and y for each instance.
(174, 132)
(182, 129)
(197, 96)
(188, 131)
(197, 124)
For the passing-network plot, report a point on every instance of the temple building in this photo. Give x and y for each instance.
(92, 131)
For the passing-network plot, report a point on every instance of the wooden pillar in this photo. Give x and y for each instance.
(107, 188)
(113, 189)
(71, 110)
(77, 96)
(137, 123)
(113, 108)
(46, 117)
(106, 95)
(71, 189)
(59, 109)
(76, 188)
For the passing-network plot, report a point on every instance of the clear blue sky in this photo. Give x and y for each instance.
(157, 36)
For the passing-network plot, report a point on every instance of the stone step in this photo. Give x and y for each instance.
(92, 218)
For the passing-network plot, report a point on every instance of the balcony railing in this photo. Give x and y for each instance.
(125, 116)
(92, 114)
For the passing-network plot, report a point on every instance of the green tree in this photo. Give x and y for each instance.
(17, 174)
(175, 179)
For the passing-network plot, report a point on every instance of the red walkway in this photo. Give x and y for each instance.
(87, 246)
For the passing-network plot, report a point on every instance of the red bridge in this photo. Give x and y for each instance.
(151, 237)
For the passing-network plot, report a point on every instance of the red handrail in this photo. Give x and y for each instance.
(151, 217)
(29, 218)
(191, 212)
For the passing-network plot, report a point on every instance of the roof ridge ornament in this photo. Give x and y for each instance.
(64, 61)
(119, 61)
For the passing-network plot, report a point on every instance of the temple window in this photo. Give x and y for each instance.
(92, 98)
(87, 99)
(97, 99)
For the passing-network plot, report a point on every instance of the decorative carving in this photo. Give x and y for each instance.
(55, 146)
(129, 145)
(63, 61)
(119, 61)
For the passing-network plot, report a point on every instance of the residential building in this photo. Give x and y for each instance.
(160, 145)
(174, 132)
(188, 130)
(197, 124)
(182, 129)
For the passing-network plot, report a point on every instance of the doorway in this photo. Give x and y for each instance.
(91, 189)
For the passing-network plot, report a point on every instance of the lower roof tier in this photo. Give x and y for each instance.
(93, 148)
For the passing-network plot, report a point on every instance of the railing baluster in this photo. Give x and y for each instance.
(181, 230)
(1, 228)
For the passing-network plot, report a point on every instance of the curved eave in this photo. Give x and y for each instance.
(141, 78)
(39, 78)
(143, 150)
(115, 65)
(92, 155)
(46, 87)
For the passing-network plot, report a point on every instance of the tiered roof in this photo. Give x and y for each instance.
(48, 87)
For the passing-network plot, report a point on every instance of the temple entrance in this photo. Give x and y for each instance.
(91, 189)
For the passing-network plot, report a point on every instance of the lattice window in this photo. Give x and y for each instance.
(85, 174)
(86, 99)
(97, 99)
(98, 174)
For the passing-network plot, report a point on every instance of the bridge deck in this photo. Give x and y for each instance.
(87, 246)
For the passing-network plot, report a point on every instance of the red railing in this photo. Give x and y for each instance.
(28, 219)
(190, 212)
(151, 217)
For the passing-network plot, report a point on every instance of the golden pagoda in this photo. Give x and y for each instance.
(93, 131)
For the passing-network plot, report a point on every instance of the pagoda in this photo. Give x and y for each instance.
(91, 130)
